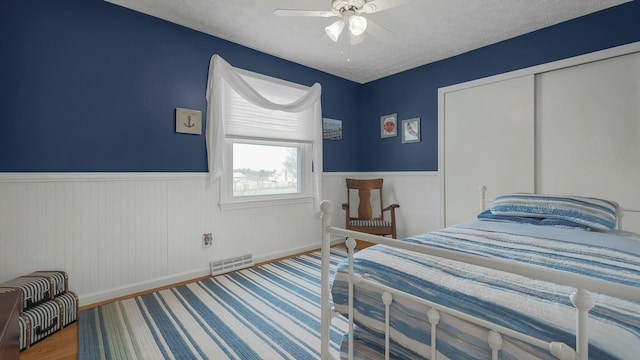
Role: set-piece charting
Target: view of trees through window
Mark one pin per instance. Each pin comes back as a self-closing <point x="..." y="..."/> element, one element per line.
<point x="260" y="169"/>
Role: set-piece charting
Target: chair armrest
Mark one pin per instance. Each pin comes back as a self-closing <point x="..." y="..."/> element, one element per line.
<point x="390" y="207"/>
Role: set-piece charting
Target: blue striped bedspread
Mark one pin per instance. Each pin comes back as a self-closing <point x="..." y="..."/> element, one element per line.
<point x="534" y="307"/>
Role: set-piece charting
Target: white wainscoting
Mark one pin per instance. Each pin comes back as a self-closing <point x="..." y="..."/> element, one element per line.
<point x="121" y="233"/>
<point x="113" y="233"/>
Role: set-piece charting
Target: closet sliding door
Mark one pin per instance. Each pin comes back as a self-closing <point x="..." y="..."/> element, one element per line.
<point x="567" y="127"/>
<point x="487" y="139"/>
<point x="588" y="130"/>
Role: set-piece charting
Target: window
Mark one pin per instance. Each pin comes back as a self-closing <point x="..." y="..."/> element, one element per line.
<point x="260" y="169"/>
<point x="264" y="138"/>
<point x="264" y="170"/>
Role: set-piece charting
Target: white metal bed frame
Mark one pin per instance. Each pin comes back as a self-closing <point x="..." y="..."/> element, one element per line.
<point x="581" y="298"/>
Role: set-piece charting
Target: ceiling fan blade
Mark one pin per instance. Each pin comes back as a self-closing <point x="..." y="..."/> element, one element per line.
<point x="379" y="5"/>
<point x="293" y="12"/>
<point x="379" y="32"/>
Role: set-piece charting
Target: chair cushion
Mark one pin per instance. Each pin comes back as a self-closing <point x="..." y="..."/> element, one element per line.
<point x="369" y="223"/>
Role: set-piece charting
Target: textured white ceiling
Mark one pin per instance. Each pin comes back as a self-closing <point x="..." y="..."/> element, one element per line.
<point x="425" y="30"/>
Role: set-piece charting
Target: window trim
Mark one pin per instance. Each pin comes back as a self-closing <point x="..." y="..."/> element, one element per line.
<point x="305" y="195"/>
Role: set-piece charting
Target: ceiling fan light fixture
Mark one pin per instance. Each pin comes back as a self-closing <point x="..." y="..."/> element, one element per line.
<point x="334" y="30"/>
<point x="357" y="25"/>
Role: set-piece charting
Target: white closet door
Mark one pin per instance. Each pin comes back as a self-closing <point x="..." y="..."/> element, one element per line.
<point x="488" y="134"/>
<point x="588" y="126"/>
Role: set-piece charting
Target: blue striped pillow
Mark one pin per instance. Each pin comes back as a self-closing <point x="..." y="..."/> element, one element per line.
<point x="487" y="215"/>
<point x="591" y="212"/>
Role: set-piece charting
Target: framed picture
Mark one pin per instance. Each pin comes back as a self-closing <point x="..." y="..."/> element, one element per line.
<point x="188" y="121"/>
<point x="411" y="130"/>
<point x="388" y="126"/>
<point x="331" y="129"/>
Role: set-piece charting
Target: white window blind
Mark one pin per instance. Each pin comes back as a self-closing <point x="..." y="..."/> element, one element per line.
<point x="246" y="119"/>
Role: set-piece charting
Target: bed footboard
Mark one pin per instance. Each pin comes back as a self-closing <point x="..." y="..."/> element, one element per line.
<point x="581" y="298"/>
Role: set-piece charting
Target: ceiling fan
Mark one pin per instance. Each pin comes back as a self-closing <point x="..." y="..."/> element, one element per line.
<point x="351" y="16"/>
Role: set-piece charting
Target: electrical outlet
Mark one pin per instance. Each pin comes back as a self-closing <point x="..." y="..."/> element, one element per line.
<point x="207" y="240"/>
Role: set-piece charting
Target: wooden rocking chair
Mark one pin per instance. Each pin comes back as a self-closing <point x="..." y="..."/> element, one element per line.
<point x="367" y="220"/>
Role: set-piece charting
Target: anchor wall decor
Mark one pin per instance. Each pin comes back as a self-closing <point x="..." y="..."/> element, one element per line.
<point x="188" y="121"/>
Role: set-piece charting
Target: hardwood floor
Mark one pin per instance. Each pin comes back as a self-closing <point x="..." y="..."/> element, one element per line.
<point x="63" y="345"/>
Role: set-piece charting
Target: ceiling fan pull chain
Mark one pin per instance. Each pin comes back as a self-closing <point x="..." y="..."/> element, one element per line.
<point x="345" y="50"/>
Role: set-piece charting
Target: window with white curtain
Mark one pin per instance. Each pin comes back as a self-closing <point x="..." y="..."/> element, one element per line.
<point x="268" y="154"/>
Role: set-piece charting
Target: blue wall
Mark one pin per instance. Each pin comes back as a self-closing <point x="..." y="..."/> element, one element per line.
<point x="414" y="93"/>
<point x="89" y="86"/>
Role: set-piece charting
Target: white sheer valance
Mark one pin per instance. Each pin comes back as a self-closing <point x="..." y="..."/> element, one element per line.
<point x="228" y="86"/>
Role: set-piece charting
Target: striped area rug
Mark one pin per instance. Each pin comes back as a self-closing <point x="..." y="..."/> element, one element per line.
<point x="265" y="312"/>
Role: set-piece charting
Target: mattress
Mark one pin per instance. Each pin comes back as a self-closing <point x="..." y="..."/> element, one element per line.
<point x="534" y="307"/>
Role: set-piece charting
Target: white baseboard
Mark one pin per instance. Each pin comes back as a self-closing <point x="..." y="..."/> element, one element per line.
<point x="186" y="276"/>
<point x="141" y="286"/>
<point x="292" y="252"/>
